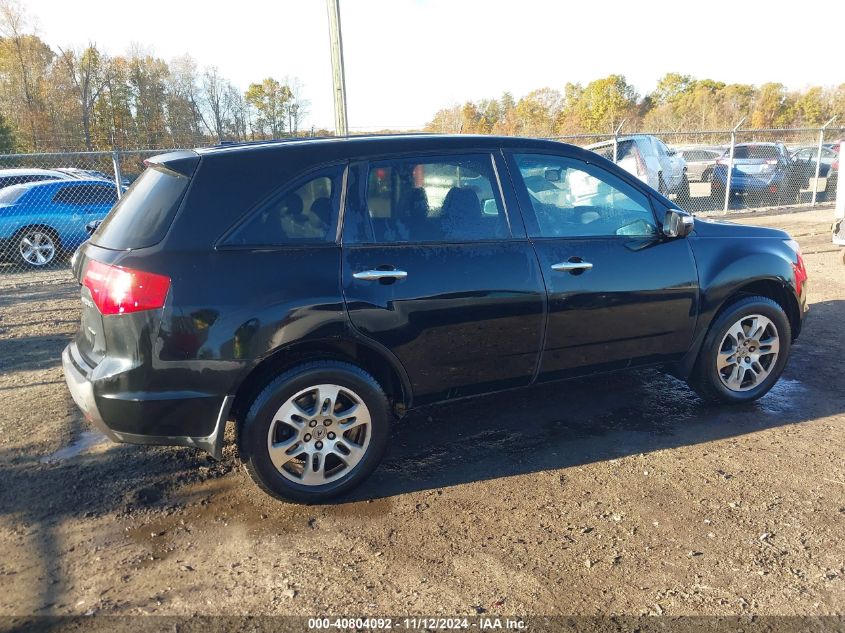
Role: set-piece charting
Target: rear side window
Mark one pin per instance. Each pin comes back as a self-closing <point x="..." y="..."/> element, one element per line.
<point x="448" y="199"/>
<point x="86" y="195"/>
<point x="305" y="213"/>
<point x="145" y="212"/>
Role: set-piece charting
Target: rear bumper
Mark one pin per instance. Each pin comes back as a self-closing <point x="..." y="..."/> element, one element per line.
<point x="146" y="418"/>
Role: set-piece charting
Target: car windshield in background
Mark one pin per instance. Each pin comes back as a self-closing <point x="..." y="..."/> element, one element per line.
<point x="145" y="212"/>
<point x="760" y="152"/>
<point x="10" y="195"/>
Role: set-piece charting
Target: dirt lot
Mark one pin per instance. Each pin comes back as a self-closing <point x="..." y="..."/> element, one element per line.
<point x="621" y="494"/>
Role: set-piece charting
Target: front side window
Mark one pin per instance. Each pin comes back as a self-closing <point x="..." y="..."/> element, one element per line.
<point x="307" y="213"/>
<point x="444" y="199"/>
<point x="572" y="198"/>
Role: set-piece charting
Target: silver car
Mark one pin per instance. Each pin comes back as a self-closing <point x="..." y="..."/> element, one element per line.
<point x="700" y="162"/>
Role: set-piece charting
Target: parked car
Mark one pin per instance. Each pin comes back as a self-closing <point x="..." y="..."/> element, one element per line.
<point x="40" y="220"/>
<point x="19" y="176"/>
<point x="648" y="158"/>
<point x="311" y="292"/>
<point x="700" y="162"/>
<point x="764" y="172"/>
<point x="804" y="166"/>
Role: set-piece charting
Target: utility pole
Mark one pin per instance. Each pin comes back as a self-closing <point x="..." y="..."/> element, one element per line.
<point x="341" y="124"/>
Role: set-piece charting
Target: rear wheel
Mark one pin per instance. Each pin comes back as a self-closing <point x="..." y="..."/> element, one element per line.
<point x="744" y="352"/>
<point x="315" y="432"/>
<point x="37" y="246"/>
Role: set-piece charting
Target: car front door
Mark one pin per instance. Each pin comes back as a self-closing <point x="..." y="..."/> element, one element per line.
<point x="620" y="293"/>
<point x="437" y="269"/>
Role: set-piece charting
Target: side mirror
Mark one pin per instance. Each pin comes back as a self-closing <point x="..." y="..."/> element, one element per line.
<point x="677" y="223"/>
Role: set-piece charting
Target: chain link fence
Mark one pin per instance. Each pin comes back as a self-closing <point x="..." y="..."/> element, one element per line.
<point x="49" y="203"/>
<point x="726" y="170"/>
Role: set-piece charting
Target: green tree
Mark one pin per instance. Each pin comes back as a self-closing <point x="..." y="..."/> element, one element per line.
<point x="269" y="100"/>
<point x="604" y="103"/>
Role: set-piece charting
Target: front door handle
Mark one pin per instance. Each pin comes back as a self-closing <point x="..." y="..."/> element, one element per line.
<point x="376" y="275"/>
<point x="571" y="266"/>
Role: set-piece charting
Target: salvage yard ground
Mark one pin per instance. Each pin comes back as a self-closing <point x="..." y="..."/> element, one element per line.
<point x="621" y="494"/>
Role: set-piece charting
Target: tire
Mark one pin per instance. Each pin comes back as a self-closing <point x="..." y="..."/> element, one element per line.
<point x="272" y="419"/>
<point x="36" y="246"/>
<point x="711" y="383"/>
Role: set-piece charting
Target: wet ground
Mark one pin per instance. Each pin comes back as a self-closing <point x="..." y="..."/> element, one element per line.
<point x="620" y="494"/>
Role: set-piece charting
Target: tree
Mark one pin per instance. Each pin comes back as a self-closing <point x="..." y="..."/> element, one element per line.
<point x="24" y="64"/>
<point x="269" y="99"/>
<point x="216" y="98"/>
<point x="7" y="137"/>
<point x="604" y="103"/>
<point x="85" y="72"/>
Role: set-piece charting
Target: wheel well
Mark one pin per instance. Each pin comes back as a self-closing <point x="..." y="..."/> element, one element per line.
<point x="44" y="227"/>
<point x="777" y="292"/>
<point x="368" y="359"/>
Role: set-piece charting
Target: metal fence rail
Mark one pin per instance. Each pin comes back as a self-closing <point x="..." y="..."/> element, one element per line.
<point x="50" y="201"/>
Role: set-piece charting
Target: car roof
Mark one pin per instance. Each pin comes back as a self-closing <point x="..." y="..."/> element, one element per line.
<point x="31" y="171"/>
<point x="364" y="144"/>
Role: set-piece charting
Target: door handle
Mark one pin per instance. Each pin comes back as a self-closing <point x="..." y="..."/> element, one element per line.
<point x="571" y="266"/>
<point x="376" y="275"/>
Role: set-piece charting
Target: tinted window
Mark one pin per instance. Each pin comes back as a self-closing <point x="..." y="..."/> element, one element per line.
<point x="145" y="211"/>
<point x="572" y="198"/>
<point x="86" y="195"/>
<point x="761" y="152"/>
<point x="444" y="199"/>
<point x="306" y="213"/>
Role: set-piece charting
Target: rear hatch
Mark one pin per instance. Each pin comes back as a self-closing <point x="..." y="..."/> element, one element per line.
<point x="112" y="293"/>
<point x="755" y="160"/>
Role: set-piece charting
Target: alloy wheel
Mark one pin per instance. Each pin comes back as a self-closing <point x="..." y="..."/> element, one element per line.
<point x="37" y="248"/>
<point x="748" y="352"/>
<point x="319" y="434"/>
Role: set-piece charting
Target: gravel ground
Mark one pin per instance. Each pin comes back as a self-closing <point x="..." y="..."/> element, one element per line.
<point x="620" y="494"/>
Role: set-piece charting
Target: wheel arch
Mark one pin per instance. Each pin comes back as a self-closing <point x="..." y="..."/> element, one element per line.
<point x="379" y="363"/>
<point x="773" y="288"/>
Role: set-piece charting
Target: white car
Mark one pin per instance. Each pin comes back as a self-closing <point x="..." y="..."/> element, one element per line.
<point x="648" y="158"/>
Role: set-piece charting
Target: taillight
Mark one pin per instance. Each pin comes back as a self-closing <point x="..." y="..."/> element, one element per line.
<point x="119" y="290"/>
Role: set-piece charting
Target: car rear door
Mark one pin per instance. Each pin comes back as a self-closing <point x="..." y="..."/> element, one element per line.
<point x="437" y="269"/>
<point x="619" y="292"/>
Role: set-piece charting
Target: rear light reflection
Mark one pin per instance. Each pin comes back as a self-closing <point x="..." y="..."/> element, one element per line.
<point x="119" y="290"/>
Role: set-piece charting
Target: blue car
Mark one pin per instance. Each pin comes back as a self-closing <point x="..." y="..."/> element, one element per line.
<point x="40" y="220"/>
<point x="764" y="172"/>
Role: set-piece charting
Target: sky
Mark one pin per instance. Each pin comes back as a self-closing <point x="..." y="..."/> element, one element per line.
<point x="405" y="59"/>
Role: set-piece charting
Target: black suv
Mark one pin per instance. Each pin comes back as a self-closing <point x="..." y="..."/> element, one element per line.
<point x="313" y="290"/>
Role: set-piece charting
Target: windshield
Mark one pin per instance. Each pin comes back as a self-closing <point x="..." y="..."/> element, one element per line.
<point x="760" y="152"/>
<point x="10" y="195"/>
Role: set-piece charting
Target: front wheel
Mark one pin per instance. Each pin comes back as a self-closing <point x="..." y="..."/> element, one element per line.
<point x="744" y="352"/>
<point x="315" y="432"/>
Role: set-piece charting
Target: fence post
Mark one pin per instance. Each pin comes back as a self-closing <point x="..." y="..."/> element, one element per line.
<point x="731" y="165"/>
<point x="616" y="141"/>
<point x="819" y="162"/>
<point x="118" y="178"/>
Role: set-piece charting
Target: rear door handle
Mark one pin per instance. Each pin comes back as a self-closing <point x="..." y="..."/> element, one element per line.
<point x="375" y="275"/>
<point x="570" y="266"/>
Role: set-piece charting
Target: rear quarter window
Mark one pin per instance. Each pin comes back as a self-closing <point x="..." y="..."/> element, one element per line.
<point x="145" y="212"/>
